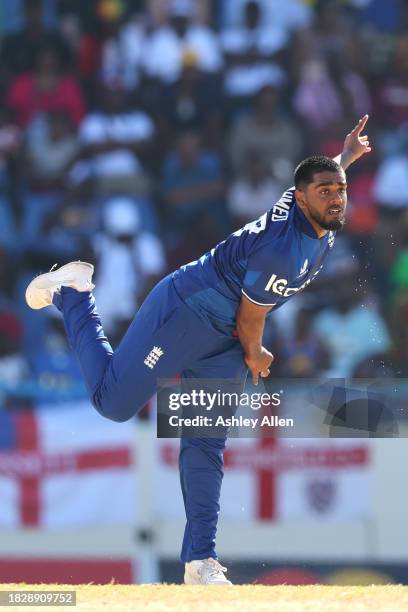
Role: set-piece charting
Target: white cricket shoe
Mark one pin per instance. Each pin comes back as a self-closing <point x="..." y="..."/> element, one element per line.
<point x="76" y="274"/>
<point x="205" y="571"/>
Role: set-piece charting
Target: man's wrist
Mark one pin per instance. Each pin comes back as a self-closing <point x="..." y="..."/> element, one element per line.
<point x="347" y="157"/>
<point x="253" y="352"/>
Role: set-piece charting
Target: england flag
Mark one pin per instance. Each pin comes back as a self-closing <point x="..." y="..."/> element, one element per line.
<point x="65" y="466"/>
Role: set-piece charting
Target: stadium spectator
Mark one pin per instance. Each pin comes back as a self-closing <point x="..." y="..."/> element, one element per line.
<point x="253" y="53"/>
<point x="18" y="50"/>
<point x="124" y="245"/>
<point x="391" y="185"/>
<point x="286" y="16"/>
<point x="193" y="189"/>
<point x="251" y="194"/>
<point x="267" y="132"/>
<point x="328" y="92"/>
<point x="51" y="145"/>
<point x="114" y="142"/>
<point x="352" y="327"/>
<point x="121" y="45"/>
<point x="164" y="49"/>
<point x="194" y="101"/>
<point x="47" y="87"/>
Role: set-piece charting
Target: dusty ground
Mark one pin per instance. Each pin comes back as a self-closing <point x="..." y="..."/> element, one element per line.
<point x="251" y="598"/>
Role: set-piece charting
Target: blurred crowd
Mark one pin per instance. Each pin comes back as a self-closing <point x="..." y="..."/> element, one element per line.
<point x="138" y="134"/>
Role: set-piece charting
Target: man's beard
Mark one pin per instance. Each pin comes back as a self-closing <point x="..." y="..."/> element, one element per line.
<point x="334" y="225"/>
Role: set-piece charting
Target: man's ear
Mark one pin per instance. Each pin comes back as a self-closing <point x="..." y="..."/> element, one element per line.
<point x="300" y="198"/>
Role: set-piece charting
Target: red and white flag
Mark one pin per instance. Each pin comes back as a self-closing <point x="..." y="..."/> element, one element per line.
<point x="65" y="466"/>
<point x="281" y="479"/>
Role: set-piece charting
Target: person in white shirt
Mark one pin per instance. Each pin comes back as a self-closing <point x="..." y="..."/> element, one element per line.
<point x="129" y="260"/>
<point x="391" y="183"/>
<point x="251" y="195"/>
<point x="113" y="143"/>
<point x="252" y="52"/>
<point x="165" y="48"/>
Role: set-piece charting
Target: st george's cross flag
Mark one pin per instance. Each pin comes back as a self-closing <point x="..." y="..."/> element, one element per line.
<point x="272" y="479"/>
<point x="65" y="466"/>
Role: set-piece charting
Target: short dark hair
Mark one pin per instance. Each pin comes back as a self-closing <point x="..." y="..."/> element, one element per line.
<point x="305" y="171"/>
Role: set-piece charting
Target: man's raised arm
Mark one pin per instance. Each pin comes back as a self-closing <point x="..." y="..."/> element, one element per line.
<point x="355" y="145"/>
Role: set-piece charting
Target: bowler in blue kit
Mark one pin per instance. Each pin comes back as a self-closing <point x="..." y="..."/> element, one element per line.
<point x="206" y="320"/>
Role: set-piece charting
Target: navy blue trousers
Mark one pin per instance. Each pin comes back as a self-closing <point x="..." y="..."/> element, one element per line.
<point x="120" y="383"/>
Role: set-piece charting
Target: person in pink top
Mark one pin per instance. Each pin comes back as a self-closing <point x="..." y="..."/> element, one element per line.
<point x="46" y="88"/>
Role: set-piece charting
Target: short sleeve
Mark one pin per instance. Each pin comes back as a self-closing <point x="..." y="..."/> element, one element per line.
<point x="267" y="274"/>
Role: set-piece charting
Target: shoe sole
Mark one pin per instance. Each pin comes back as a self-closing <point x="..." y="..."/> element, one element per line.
<point x="50" y="279"/>
<point x="191" y="582"/>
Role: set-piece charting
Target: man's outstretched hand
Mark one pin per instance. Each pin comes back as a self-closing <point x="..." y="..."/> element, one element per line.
<point x="355" y="144"/>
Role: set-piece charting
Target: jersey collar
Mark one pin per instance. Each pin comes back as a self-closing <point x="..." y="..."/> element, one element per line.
<point x="304" y="224"/>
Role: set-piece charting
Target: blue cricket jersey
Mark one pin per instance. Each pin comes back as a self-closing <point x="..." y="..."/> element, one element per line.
<point x="268" y="260"/>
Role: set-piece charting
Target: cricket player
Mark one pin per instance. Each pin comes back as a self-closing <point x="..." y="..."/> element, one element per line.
<point x="206" y="320"/>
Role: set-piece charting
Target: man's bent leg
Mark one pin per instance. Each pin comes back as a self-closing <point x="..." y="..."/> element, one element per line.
<point x="120" y="382"/>
<point x="202" y="465"/>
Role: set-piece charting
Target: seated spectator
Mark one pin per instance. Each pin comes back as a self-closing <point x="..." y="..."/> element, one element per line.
<point x="47" y="87"/>
<point x="254" y="193"/>
<point x="114" y="141"/>
<point x="329" y="91"/>
<point x="352" y="327"/>
<point x="19" y="49"/>
<point x="285" y="16"/>
<point x="193" y="102"/>
<point x="121" y="49"/>
<point x="330" y="33"/>
<point x="391" y="185"/>
<point x="129" y="261"/>
<point x="164" y="49"/>
<point x="51" y="145"/>
<point x="268" y="133"/>
<point x="252" y="53"/>
<point x="193" y="188"/>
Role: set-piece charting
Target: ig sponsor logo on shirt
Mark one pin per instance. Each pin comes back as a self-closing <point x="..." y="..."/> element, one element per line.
<point x="280" y="285"/>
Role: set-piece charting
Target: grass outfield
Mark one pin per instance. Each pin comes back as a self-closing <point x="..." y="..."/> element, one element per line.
<point x="251" y="598"/>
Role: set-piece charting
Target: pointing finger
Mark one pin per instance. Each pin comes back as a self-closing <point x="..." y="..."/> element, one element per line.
<point x="361" y="124"/>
